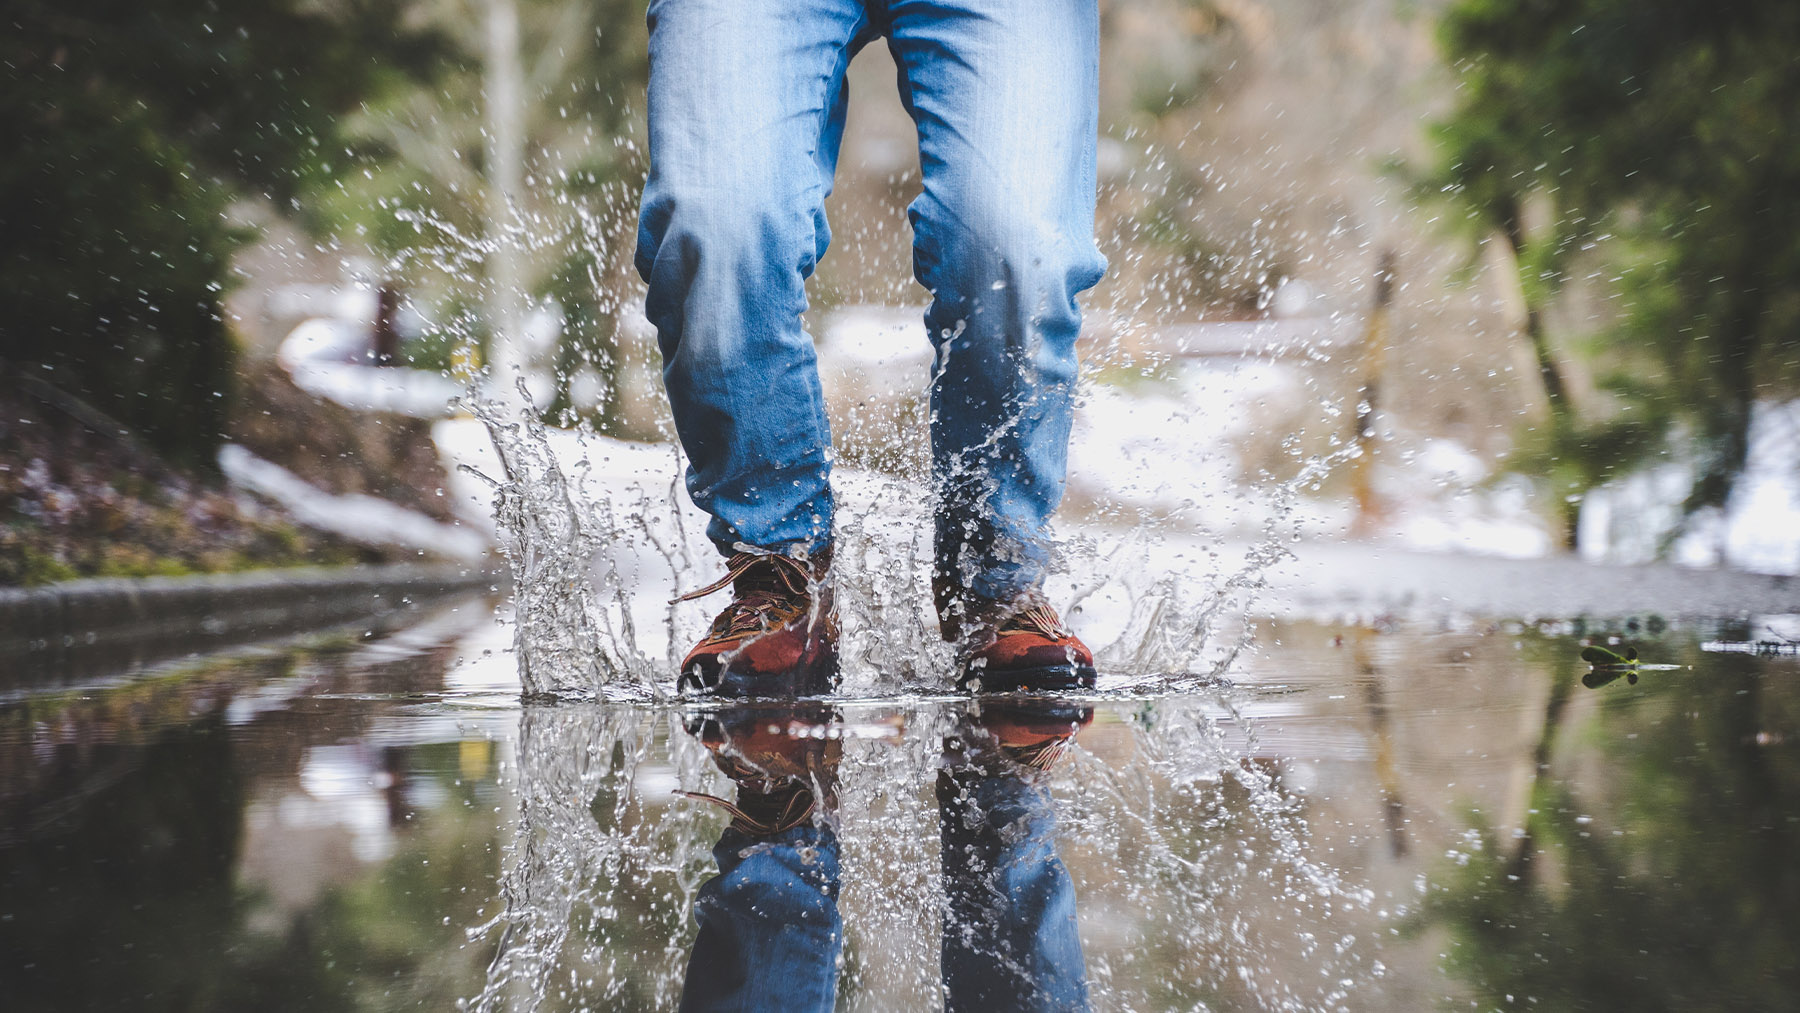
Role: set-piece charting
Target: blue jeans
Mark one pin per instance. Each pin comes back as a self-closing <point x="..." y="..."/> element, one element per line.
<point x="746" y="109"/>
<point x="770" y="933"/>
<point x="1010" y="938"/>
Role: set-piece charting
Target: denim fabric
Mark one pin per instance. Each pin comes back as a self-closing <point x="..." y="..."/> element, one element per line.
<point x="769" y="925"/>
<point x="770" y="933"/>
<point x="1010" y="938"/>
<point x="746" y="109"/>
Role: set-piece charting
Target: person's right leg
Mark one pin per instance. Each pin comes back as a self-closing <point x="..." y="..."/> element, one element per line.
<point x="746" y="109"/>
<point x="746" y="106"/>
<point x="1010" y="938"/>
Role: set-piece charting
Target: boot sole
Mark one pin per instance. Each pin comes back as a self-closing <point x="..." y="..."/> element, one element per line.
<point x="817" y="679"/>
<point x="1043" y="679"/>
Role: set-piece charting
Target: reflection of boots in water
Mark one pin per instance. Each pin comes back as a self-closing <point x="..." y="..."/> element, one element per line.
<point x="770" y="932"/>
<point x="782" y="759"/>
<point x="1010" y="940"/>
<point x="1022" y="733"/>
<point x="778" y="637"/>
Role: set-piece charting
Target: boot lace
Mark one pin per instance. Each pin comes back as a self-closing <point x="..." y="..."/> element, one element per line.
<point x="773" y="591"/>
<point x="765" y="806"/>
<point x="1037" y="620"/>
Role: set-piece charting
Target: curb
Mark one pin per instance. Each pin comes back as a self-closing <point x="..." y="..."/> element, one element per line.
<point x="45" y="628"/>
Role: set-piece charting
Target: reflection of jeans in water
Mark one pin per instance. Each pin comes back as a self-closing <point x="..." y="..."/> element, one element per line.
<point x="769" y="926"/>
<point x="746" y="109"/>
<point x="1010" y="939"/>
<point x="770" y="931"/>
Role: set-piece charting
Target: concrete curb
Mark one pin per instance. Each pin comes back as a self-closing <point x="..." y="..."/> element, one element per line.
<point x="45" y="627"/>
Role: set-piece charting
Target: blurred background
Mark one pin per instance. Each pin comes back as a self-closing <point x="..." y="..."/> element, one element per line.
<point x="1525" y="274"/>
<point x="1432" y="279"/>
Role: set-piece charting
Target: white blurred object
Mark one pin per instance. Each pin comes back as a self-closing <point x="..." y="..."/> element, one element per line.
<point x="309" y="300"/>
<point x="869" y="337"/>
<point x="329" y="358"/>
<point x="1629" y="519"/>
<point x="1293" y="298"/>
<point x="363" y="519"/>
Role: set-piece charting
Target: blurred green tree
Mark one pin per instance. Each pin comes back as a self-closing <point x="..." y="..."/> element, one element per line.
<point x="1654" y="869"/>
<point x="423" y="199"/>
<point x="1649" y="140"/>
<point x="132" y="129"/>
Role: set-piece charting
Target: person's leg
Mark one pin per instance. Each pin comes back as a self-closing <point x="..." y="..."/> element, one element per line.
<point x="770" y="932"/>
<point x="746" y="106"/>
<point x="1010" y="938"/>
<point x="1005" y="97"/>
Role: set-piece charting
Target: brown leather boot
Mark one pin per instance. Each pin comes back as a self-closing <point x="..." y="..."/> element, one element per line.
<point x="1011" y="646"/>
<point x="778" y="637"/>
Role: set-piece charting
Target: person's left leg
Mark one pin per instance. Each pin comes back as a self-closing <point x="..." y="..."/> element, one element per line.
<point x="1010" y="938"/>
<point x="1005" y="98"/>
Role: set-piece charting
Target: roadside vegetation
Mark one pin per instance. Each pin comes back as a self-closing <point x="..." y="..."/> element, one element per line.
<point x="76" y="501"/>
<point x="1637" y="154"/>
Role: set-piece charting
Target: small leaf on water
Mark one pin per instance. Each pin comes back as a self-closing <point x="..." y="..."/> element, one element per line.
<point x="1600" y="677"/>
<point x="1594" y="654"/>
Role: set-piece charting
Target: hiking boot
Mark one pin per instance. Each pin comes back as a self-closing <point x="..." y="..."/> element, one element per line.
<point x="783" y="762"/>
<point x="1010" y="646"/>
<point x="1027" y="735"/>
<point x="778" y="637"/>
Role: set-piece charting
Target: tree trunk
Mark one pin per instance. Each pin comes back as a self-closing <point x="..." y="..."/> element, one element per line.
<point x="505" y="172"/>
<point x="1556" y="391"/>
<point x="1374" y="352"/>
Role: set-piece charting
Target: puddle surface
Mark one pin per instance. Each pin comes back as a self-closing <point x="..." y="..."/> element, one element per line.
<point x="1398" y="819"/>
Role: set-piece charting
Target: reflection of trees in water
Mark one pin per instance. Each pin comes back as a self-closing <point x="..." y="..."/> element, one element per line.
<point x="124" y="846"/>
<point x="112" y="902"/>
<point x="392" y="937"/>
<point x="1661" y="879"/>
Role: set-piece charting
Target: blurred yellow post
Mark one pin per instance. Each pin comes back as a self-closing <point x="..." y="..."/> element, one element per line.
<point x="1372" y="356"/>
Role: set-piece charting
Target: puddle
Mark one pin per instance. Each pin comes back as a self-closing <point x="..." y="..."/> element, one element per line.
<point x="1353" y="819"/>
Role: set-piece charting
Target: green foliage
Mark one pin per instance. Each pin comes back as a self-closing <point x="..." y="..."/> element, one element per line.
<point x="31" y="567"/>
<point x="1654" y="870"/>
<point x="1654" y="136"/>
<point x="419" y="196"/>
<point x="1594" y="654"/>
<point x="131" y="129"/>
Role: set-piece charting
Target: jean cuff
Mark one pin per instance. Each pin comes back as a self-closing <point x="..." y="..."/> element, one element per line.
<point x="799" y="548"/>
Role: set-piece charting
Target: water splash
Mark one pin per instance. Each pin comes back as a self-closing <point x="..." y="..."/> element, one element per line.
<point x="1180" y="826"/>
<point x="1174" y="826"/>
<point x="601" y="871"/>
<point x="574" y="633"/>
<point x="597" y="554"/>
